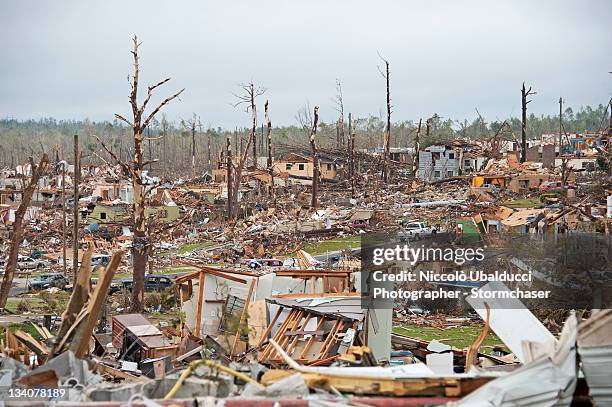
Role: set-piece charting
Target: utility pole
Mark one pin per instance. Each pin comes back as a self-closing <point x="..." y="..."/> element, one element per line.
<point x="75" y="210"/>
<point x="524" y="102"/>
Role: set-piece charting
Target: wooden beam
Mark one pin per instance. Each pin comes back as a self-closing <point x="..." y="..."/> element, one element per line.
<point x="198" y="319"/>
<point x="243" y="315"/>
<point x="264" y="336"/>
<point x="80" y="344"/>
<point x="102" y="368"/>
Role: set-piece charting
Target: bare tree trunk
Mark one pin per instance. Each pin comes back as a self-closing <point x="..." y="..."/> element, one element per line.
<point x="270" y="162"/>
<point x="75" y="209"/>
<point x="417" y="148"/>
<point x="315" y="161"/>
<point x="230" y="195"/>
<point x="340" y="108"/>
<point x="387" y="135"/>
<point x="249" y="97"/>
<point x="560" y="127"/>
<point x="352" y="157"/>
<point x="254" y="135"/>
<point x="7" y="280"/>
<point x="209" y="153"/>
<point x="193" y="148"/>
<point x="524" y="94"/>
<point x="64" y="267"/>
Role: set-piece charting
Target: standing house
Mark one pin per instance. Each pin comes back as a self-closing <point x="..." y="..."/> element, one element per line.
<point x="301" y="166"/>
<point x="438" y="162"/>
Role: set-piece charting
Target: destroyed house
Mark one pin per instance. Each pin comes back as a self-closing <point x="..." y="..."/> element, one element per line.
<point x="103" y="213"/>
<point x="402" y="155"/>
<point x="301" y="166"/>
<point x="316" y="329"/>
<point x="438" y="162"/>
<point x="110" y="191"/>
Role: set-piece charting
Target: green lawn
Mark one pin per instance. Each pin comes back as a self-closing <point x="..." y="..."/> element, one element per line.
<point x="178" y="270"/>
<point x="194" y="246"/>
<point x="332" y="245"/>
<point x="11" y="303"/>
<point x="524" y="203"/>
<point x="458" y="336"/>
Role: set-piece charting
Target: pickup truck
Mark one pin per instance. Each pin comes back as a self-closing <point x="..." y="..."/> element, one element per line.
<point x="26" y="262"/>
<point x="45" y="281"/>
<point x="151" y="283"/>
<point x="417" y="230"/>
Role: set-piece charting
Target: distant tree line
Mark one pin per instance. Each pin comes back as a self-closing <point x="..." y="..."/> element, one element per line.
<point x="21" y="139"/>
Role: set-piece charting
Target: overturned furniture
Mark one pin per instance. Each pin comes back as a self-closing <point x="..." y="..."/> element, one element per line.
<point x="137" y="339"/>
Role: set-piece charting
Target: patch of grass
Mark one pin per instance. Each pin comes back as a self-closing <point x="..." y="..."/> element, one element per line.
<point x="178" y="270"/>
<point x="332" y="245"/>
<point x="194" y="246"/>
<point x="25" y="326"/>
<point x="457" y="336"/>
<point x="32" y="303"/>
<point x="524" y="203"/>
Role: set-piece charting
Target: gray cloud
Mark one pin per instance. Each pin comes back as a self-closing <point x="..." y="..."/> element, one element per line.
<point x="70" y="59"/>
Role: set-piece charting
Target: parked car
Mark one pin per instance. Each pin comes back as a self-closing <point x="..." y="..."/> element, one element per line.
<point x="261" y="263"/>
<point x="45" y="281"/>
<point x="417" y="230"/>
<point x="151" y="283"/>
<point x="37" y="254"/>
<point x="98" y="260"/>
<point x="551" y="185"/>
<point x="28" y="263"/>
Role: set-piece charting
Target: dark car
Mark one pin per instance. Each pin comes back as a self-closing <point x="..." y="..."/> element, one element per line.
<point x="151" y="283"/>
<point x="45" y="281"/>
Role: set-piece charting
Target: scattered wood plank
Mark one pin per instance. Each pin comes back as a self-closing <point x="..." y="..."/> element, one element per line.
<point x="80" y="344"/>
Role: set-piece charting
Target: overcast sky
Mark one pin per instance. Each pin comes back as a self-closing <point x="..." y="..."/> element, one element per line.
<point x="70" y="59"/>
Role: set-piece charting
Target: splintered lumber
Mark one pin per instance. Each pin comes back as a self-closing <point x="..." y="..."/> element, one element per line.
<point x="198" y="318"/>
<point x="243" y="316"/>
<point x="264" y="336"/>
<point x="80" y="344"/>
<point x="473" y="350"/>
<point x="78" y="299"/>
<point x="42" y="331"/>
<point x="119" y="374"/>
<point x="35" y="346"/>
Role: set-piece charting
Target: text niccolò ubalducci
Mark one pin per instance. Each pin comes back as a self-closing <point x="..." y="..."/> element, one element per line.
<point x="452" y="276"/>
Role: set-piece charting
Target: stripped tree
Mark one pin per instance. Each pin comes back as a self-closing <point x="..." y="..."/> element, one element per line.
<point x="248" y="97"/>
<point x="352" y="156"/>
<point x="525" y="93"/>
<point x="140" y="121"/>
<point x="315" y="161"/>
<point x="387" y="134"/>
<point x="230" y="167"/>
<point x="36" y="172"/>
<point x="340" y="109"/>
<point x="270" y="162"/>
<point x="417" y="149"/>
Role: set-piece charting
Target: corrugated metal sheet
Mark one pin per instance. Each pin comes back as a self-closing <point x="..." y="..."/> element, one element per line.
<point x="342" y="306"/>
<point x="597" y="368"/>
<point x="595" y="350"/>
